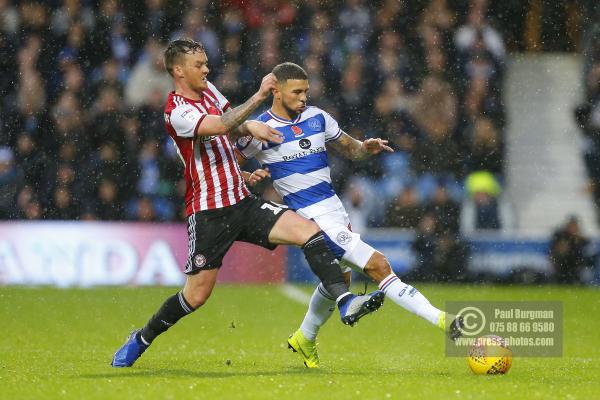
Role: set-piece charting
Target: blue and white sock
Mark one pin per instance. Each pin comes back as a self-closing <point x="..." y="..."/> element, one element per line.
<point x="409" y="298"/>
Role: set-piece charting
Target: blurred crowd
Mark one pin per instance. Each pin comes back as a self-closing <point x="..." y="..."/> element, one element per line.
<point x="82" y="131"/>
<point x="587" y="114"/>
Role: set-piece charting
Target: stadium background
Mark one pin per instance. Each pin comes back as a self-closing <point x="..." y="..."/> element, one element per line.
<point x="82" y="133"/>
<point x="90" y="193"/>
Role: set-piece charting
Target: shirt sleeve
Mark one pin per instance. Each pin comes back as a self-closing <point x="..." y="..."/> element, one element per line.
<point x="223" y="102"/>
<point x="248" y="146"/>
<point x="332" y="129"/>
<point x="185" y="119"/>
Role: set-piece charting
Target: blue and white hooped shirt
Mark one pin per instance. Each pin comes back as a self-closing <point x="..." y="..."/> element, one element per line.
<point x="299" y="166"/>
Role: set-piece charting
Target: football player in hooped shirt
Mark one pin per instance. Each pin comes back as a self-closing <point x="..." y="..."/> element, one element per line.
<point x="300" y="174"/>
<point x="220" y="208"/>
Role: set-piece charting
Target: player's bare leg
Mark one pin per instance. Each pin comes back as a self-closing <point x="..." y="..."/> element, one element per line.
<point x="198" y="287"/>
<point x="293" y="229"/>
<point x="379" y="269"/>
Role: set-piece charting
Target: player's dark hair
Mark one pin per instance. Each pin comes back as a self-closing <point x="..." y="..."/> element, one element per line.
<point x="288" y="70"/>
<point x="177" y="49"/>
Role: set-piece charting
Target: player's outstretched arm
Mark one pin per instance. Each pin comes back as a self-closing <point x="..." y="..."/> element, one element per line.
<point x="357" y="150"/>
<point x="222" y="124"/>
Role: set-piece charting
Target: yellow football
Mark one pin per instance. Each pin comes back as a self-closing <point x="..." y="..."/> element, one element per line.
<point x="490" y="355"/>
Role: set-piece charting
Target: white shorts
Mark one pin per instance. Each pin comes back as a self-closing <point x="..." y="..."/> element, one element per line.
<point x="345" y="243"/>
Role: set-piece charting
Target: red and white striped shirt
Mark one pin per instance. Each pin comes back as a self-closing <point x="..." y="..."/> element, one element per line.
<point x="212" y="175"/>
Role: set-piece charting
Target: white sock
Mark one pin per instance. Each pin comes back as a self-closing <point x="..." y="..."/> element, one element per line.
<point x="320" y="308"/>
<point x="409" y="298"/>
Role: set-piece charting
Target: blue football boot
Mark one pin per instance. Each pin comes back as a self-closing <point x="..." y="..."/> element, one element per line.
<point x="129" y="352"/>
<point x="359" y="306"/>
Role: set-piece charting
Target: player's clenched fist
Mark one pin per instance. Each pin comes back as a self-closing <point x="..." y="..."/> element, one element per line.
<point x="268" y="83"/>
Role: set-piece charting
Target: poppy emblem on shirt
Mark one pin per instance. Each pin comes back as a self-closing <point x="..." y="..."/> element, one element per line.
<point x="297" y="130"/>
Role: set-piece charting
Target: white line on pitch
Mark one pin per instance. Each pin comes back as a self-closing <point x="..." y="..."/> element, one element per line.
<point x="292" y="292"/>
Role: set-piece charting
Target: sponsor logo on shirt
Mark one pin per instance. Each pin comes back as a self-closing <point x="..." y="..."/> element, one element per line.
<point x="305" y="153"/>
<point x="304" y="143"/>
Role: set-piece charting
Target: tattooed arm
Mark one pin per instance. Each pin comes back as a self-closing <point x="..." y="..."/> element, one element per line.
<point x="222" y="124"/>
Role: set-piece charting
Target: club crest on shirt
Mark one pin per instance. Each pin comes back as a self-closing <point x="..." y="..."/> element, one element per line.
<point x="343" y="238"/>
<point x="199" y="260"/>
<point x="297" y="130"/>
<point x="314" y="124"/>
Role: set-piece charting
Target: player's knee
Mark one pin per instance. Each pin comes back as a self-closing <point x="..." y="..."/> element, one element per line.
<point x="378" y="267"/>
<point x="307" y="230"/>
<point x="293" y="229"/>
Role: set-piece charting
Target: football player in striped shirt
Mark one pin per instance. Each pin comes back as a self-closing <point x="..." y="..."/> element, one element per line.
<point x="300" y="173"/>
<point x="220" y="208"/>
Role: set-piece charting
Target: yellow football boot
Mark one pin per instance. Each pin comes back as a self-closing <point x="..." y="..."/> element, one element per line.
<point x="306" y="348"/>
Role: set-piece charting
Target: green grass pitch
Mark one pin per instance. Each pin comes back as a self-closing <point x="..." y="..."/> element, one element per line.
<point x="57" y="344"/>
